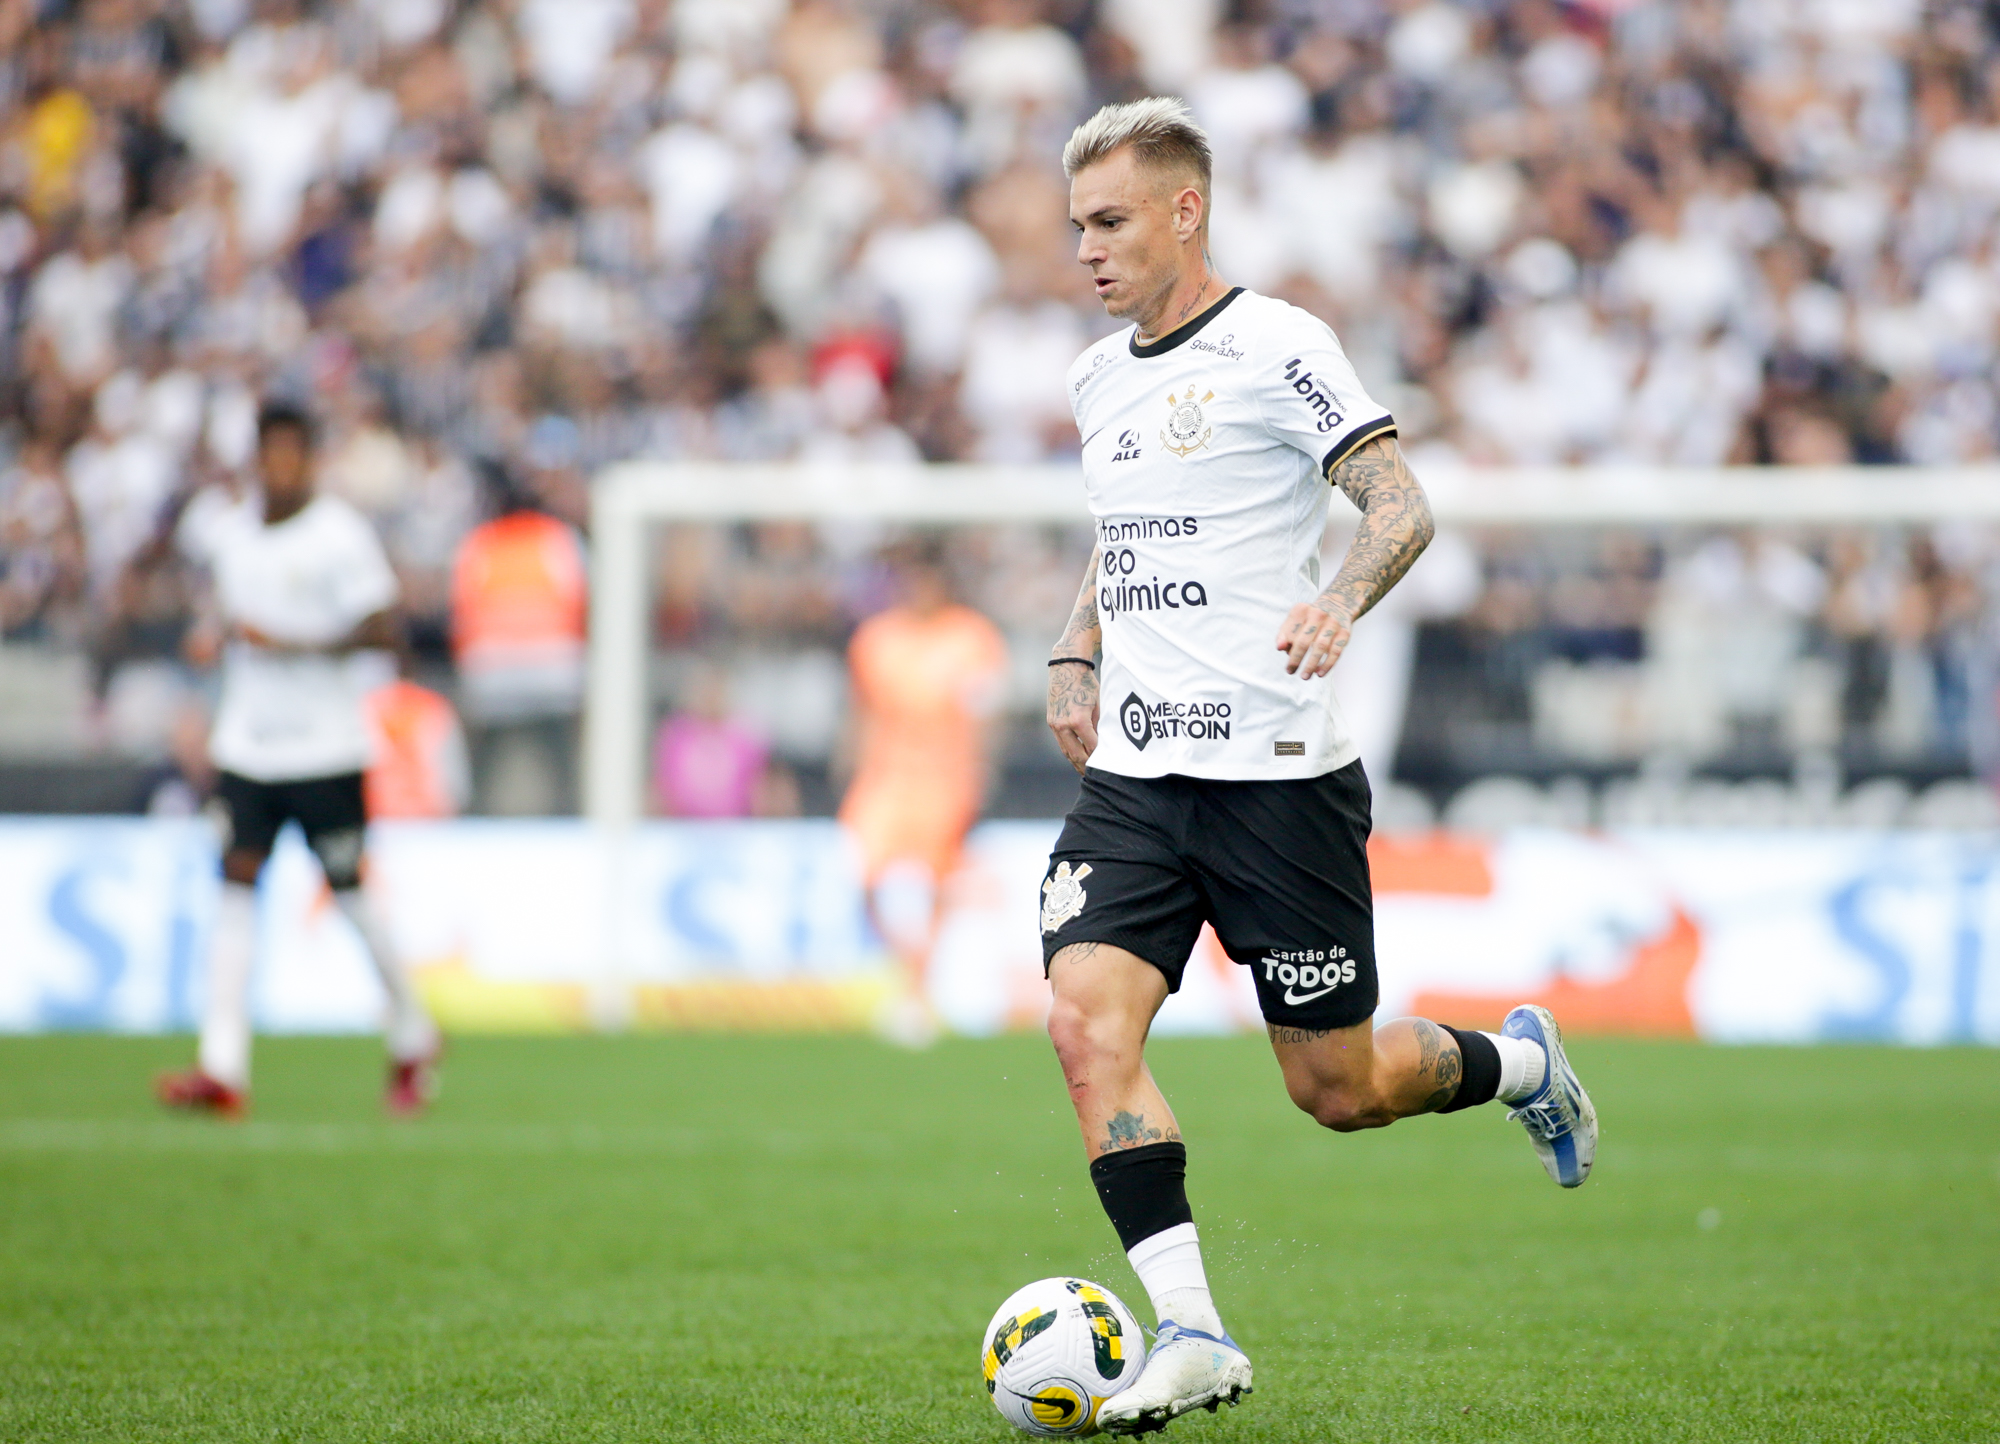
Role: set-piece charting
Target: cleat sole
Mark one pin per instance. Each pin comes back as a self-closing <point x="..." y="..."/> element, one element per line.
<point x="1155" y="1420"/>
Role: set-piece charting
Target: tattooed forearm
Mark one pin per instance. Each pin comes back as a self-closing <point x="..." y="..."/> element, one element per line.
<point x="1438" y="1063"/>
<point x="1295" y="1035"/>
<point x="1072" y="712"/>
<point x="1395" y="526"/>
<point x="1082" y="637"/>
<point x="1072" y="692"/>
<point x="1131" y="1130"/>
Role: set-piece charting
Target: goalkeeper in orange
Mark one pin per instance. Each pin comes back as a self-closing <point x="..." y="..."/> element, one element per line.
<point x="928" y="676"/>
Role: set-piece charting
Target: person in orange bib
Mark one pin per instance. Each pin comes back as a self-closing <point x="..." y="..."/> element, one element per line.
<point x="417" y="766"/>
<point x="520" y="592"/>
<point x="928" y="675"/>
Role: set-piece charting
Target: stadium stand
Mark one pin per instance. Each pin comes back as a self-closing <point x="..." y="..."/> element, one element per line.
<point x="533" y="237"/>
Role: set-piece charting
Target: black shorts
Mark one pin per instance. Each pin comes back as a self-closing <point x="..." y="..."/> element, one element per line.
<point x="328" y="810"/>
<point x="1280" y="869"/>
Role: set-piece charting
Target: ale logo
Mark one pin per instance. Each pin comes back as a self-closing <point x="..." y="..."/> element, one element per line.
<point x="1138" y="727"/>
<point x="1056" y="1406"/>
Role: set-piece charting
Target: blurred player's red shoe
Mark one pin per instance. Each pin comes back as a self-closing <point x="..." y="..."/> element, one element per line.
<point x="195" y="1091"/>
<point x="411" y="1085"/>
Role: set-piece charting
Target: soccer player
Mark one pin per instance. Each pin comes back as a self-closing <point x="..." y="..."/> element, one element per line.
<point x="303" y="590"/>
<point x="928" y="675"/>
<point x="1225" y="788"/>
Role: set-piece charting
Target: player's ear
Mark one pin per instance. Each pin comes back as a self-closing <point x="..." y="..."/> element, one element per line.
<point x="1190" y="206"/>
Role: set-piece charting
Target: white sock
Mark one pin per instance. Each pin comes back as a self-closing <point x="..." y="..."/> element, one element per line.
<point x="225" y="1015"/>
<point x="1523" y="1065"/>
<point x="1169" y="1265"/>
<point x="412" y="1036"/>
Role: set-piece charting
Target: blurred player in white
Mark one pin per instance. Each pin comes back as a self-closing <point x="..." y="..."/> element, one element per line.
<point x="1226" y="786"/>
<point x="306" y="604"/>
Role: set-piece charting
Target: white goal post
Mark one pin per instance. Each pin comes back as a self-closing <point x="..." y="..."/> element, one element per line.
<point x="629" y="498"/>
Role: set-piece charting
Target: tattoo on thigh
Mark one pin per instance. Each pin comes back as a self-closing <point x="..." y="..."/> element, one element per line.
<point x="1287" y="1036"/>
<point x="1077" y="953"/>
<point x="1131" y="1130"/>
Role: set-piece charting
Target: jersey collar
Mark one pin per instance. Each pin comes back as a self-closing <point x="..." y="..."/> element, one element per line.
<point x="1185" y="332"/>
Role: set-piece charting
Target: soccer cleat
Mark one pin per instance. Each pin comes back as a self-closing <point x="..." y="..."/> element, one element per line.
<point x="1185" y="1369"/>
<point x="196" y="1092"/>
<point x="1560" y="1120"/>
<point x="412" y="1085"/>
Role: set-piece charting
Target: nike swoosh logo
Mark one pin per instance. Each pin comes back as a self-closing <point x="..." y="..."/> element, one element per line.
<point x="1097" y="433"/>
<point x="1297" y="998"/>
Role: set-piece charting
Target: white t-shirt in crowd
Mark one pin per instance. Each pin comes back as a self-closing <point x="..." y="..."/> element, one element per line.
<point x="311" y="579"/>
<point x="1205" y="456"/>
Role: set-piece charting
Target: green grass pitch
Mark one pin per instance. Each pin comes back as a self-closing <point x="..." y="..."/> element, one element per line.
<point x="800" y="1239"/>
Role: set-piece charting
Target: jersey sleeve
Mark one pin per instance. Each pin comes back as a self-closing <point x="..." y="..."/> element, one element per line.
<point x="1311" y="399"/>
<point x="366" y="584"/>
<point x="1081" y="373"/>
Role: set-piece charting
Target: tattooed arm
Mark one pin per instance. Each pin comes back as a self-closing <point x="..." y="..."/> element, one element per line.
<point x="1073" y="687"/>
<point x="1395" y="528"/>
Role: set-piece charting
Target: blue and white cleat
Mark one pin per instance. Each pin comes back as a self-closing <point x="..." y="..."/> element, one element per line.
<point x="1560" y="1120"/>
<point x="1185" y="1370"/>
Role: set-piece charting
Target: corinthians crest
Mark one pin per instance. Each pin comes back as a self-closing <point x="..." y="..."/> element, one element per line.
<point x="1063" y="896"/>
<point x="1187" y="429"/>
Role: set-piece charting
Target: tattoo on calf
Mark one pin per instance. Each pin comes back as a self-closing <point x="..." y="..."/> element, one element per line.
<point x="1130" y="1130"/>
<point x="1438" y="1061"/>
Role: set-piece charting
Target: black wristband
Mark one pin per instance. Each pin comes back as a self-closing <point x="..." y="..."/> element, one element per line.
<point x="1081" y="661"/>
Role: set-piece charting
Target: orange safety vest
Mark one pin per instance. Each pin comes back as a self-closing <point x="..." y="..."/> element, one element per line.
<point x="520" y="594"/>
<point x="417" y="765"/>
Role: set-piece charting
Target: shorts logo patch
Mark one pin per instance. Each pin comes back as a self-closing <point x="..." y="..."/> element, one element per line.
<point x="1138" y="727"/>
<point x="1288" y="749"/>
<point x="1063" y="896"/>
<point x="1327" y="970"/>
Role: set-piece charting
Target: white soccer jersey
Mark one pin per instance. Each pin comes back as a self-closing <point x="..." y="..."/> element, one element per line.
<point x="1205" y="455"/>
<point x="312" y="579"/>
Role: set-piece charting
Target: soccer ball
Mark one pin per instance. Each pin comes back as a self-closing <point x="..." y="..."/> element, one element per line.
<point x="1056" y="1350"/>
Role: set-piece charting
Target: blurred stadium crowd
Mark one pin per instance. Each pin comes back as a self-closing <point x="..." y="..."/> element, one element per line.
<point x="498" y="245"/>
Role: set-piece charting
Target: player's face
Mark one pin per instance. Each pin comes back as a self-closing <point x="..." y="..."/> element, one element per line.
<point x="284" y="462"/>
<point x="1133" y="226"/>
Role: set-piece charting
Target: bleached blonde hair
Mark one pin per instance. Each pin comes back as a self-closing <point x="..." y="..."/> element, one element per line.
<point x="1161" y="131"/>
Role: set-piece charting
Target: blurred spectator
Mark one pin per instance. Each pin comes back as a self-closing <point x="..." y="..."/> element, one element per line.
<point x="520" y="593"/>
<point x="41" y="547"/>
<point x="706" y="763"/>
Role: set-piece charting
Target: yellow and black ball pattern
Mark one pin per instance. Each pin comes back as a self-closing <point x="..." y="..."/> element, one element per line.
<point x="1056" y="1351"/>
